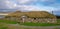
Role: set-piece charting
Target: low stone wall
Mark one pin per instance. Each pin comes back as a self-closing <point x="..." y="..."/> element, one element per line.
<point x="34" y="20"/>
<point x="39" y="20"/>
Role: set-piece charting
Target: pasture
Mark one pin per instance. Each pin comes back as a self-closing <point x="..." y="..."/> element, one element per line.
<point x="7" y="24"/>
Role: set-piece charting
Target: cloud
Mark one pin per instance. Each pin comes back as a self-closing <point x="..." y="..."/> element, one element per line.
<point x="22" y="5"/>
<point x="27" y="1"/>
<point x="13" y="3"/>
<point x="23" y="1"/>
<point x="30" y="5"/>
<point x="34" y="2"/>
<point x="35" y="8"/>
<point x="47" y="0"/>
<point x="10" y="4"/>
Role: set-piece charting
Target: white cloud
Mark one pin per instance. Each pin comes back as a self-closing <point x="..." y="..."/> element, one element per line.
<point x="7" y="2"/>
<point x="26" y="1"/>
<point x="14" y="5"/>
<point x="23" y="1"/>
<point x="10" y="4"/>
<point x="29" y="1"/>
<point x="47" y="0"/>
<point x="35" y="8"/>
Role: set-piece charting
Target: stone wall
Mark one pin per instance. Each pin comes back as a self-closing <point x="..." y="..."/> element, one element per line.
<point x="34" y="20"/>
<point x="39" y="20"/>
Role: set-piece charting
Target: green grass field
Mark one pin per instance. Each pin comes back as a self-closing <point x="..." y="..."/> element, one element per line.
<point x="4" y="24"/>
<point x="31" y="24"/>
<point x="8" y="21"/>
<point x="39" y="24"/>
<point x="58" y="21"/>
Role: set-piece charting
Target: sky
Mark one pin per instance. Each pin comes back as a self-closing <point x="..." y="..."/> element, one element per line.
<point x="30" y="5"/>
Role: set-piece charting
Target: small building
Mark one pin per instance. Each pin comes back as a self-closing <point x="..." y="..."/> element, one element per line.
<point x="34" y="16"/>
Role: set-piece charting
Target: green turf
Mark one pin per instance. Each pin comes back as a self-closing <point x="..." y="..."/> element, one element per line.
<point x="8" y="21"/>
<point x="39" y="24"/>
<point x="3" y="28"/>
<point x="58" y="20"/>
<point x="31" y="24"/>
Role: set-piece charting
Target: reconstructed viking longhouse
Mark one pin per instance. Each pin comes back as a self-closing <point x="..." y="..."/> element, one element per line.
<point x="33" y="16"/>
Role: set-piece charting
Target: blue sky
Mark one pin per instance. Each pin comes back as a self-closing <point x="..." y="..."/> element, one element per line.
<point x="30" y="5"/>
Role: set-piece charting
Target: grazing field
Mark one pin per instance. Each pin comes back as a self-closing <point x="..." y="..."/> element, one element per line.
<point x="30" y="23"/>
<point x="39" y="24"/>
<point x="17" y="26"/>
<point x="8" y="21"/>
<point x="3" y="25"/>
<point x="7" y="24"/>
<point x="58" y="21"/>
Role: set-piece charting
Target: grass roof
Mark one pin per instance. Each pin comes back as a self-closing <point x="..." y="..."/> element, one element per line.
<point x="43" y="14"/>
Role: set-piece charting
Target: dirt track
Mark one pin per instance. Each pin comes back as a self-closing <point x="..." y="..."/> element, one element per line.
<point x="17" y="26"/>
